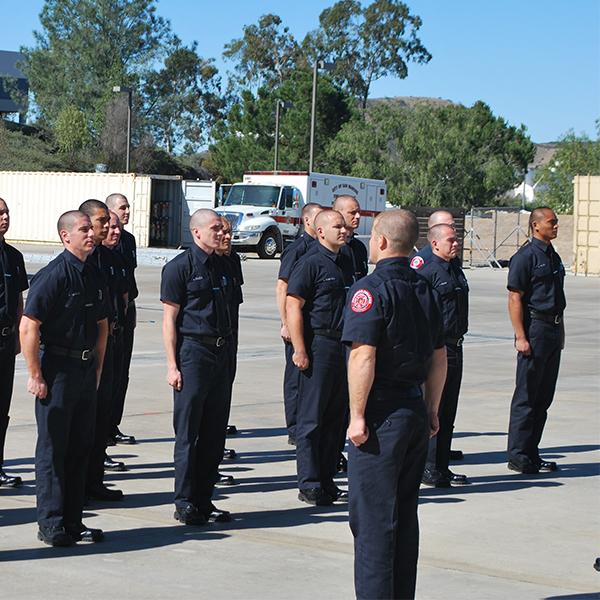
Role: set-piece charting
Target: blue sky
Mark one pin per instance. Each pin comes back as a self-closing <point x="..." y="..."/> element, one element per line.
<point x="535" y="62"/>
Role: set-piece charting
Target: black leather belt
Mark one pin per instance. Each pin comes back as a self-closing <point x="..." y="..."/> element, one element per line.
<point x="540" y="316"/>
<point x="333" y="334"/>
<point x="209" y="340"/>
<point x="6" y="331"/>
<point x="455" y="341"/>
<point x="83" y="355"/>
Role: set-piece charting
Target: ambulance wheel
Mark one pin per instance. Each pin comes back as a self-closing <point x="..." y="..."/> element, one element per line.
<point x="270" y="244"/>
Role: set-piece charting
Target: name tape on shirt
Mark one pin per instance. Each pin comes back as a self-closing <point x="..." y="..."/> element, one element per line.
<point x="417" y="262"/>
<point x="361" y="301"/>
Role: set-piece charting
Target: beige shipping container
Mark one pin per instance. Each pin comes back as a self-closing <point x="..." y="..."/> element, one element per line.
<point x="37" y="199"/>
<point x="586" y="224"/>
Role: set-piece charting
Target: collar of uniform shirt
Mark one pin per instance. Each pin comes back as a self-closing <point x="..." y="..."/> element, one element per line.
<point x="200" y="254"/>
<point x="327" y="252"/>
<point x="540" y="244"/>
<point x="439" y="259"/>
<point x="403" y="261"/>
<point x="73" y="260"/>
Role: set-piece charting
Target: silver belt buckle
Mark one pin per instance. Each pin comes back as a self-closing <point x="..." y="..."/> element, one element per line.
<point x="5" y="331"/>
<point x="459" y="342"/>
<point x="85" y="354"/>
<point x="220" y="342"/>
<point x="557" y="319"/>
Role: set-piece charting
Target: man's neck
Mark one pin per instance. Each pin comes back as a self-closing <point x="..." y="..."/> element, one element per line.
<point x="330" y="247"/>
<point x="541" y="239"/>
<point x="80" y="255"/>
<point x="440" y="256"/>
<point x="204" y="247"/>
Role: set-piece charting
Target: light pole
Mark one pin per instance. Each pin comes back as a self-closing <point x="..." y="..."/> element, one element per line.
<point x="120" y="89"/>
<point x="279" y="104"/>
<point x="325" y="66"/>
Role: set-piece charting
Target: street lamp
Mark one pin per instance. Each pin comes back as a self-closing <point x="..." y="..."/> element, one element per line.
<point x="325" y="66"/>
<point x="279" y="104"/>
<point x="121" y="89"/>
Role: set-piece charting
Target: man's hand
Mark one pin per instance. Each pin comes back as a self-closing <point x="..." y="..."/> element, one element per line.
<point x="434" y="424"/>
<point x="522" y="346"/>
<point x="37" y="386"/>
<point x="358" y="432"/>
<point x="285" y="334"/>
<point x="300" y="359"/>
<point x="174" y="378"/>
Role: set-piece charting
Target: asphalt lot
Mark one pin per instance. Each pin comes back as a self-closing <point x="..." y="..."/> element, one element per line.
<point x="504" y="536"/>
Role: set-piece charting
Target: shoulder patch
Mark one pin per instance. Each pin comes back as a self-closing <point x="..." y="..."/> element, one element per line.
<point x="362" y="301"/>
<point x="417" y="262"/>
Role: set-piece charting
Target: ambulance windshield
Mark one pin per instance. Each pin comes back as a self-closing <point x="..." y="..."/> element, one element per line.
<point x="253" y="195"/>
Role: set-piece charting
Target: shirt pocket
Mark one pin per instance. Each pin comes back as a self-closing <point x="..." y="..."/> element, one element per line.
<point x="199" y="291"/>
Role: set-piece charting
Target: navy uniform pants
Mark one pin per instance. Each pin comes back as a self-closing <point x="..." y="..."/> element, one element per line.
<point x="95" y="475"/>
<point x="7" y="374"/>
<point x="65" y="426"/>
<point x="534" y="391"/>
<point x="322" y="402"/>
<point x="438" y="455"/>
<point x="384" y="475"/>
<point x="201" y="411"/>
<point x="291" y="379"/>
<point x="123" y="359"/>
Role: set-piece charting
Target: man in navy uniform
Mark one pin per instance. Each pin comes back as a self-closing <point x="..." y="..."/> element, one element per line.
<point x="356" y="251"/>
<point x="13" y="281"/>
<point x="197" y="332"/>
<point x="291" y="255"/>
<point x="65" y="310"/>
<point x="314" y="308"/>
<point x="451" y="293"/>
<point x="423" y="256"/>
<point x="103" y="259"/>
<point x="394" y="329"/>
<point x="119" y="204"/>
<point x="536" y="303"/>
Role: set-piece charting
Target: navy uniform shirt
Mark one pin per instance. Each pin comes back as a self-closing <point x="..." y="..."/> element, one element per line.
<point x="107" y="262"/>
<point x="319" y="279"/>
<point x="358" y="256"/>
<point x="537" y="271"/>
<point x="67" y="297"/>
<point x="13" y="280"/>
<point x="127" y="248"/>
<point x="197" y="282"/>
<point x="451" y="292"/>
<point x="293" y="253"/>
<point x="120" y="285"/>
<point x="235" y="283"/>
<point x="393" y="309"/>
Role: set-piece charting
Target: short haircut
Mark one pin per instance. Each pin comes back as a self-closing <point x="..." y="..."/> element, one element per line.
<point x="325" y="217"/>
<point x="440" y="216"/>
<point x="400" y="227"/>
<point x="68" y="220"/>
<point x="308" y="210"/>
<point x="113" y="199"/>
<point x="342" y="199"/>
<point x="537" y="214"/>
<point x="4" y="202"/>
<point x="112" y="213"/>
<point x="201" y="217"/>
<point x="89" y="207"/>
<point x="437" y="232"/>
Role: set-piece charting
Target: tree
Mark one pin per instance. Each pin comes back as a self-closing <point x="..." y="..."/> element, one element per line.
<point x="367" y="43"/>
<point x="71" y="130"/>
<point x="434" y="156"/>
<point x="245" y="141"/>
<point x="182" y="100"/>
<point x="576" y="155"/>
<point x="87" y="46"/>
<point x="266" y="54"/>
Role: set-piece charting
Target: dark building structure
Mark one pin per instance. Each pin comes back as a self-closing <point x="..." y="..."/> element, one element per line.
<point x="12" y="79"/>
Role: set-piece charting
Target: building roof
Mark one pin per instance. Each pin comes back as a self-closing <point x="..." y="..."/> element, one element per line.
<point x="8" y="64"/>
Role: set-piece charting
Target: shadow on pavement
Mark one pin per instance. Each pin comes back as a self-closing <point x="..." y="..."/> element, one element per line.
<point x="590" y="596"/>
<point x="116" y="542"/>
<point x="499" y="456"/>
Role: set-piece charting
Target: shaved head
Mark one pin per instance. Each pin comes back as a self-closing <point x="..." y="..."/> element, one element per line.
<point x="341" y="202"/>
<point x="537" y="214"/>
<point x="309" y="210"/>
<point x="438" y="232"/>
<point x="400" y="227"/>
<point x="326" y="217"/>
<point x="68" y="220"/>
<point x="90" y="207"/>
<point x="438" y="217"/>
<point x="113" y="199"/>
<point x="201" y="217"/>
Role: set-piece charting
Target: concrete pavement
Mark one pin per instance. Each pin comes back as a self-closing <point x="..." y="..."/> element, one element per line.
<point x="504" y="536"/>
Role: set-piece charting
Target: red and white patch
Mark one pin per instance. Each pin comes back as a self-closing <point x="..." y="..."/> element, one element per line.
<point x="417" y="262"/>
<point x="361" y="301"/>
